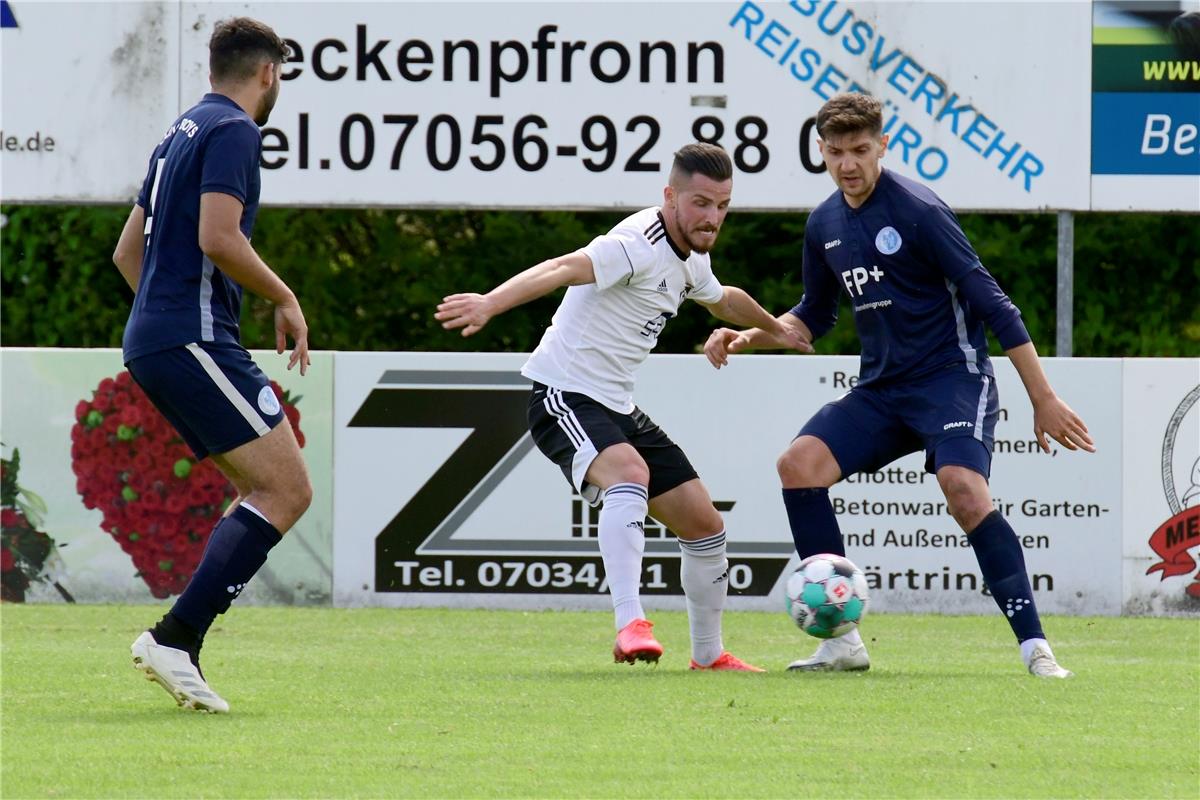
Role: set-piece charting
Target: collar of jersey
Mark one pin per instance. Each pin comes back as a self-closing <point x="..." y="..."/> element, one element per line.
<point x="217" y="97"/>
<point x="678" y="253"/>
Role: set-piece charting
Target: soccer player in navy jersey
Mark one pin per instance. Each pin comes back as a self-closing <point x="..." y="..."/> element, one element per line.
<point x="185" y="251"/>
<point x="921" y="299"/>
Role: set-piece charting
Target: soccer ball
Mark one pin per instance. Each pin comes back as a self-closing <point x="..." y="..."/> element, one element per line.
<point x="826" y="596"/>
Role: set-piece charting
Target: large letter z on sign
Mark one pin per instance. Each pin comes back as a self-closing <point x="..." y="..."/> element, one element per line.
<point x="492" y="405"/>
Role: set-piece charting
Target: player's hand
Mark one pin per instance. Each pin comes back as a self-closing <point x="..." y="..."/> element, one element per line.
<point x="722" y="343"/>
<point x="1055" y="418"/>
<point x="289" y="321"/>
<point x="787" y="336"/>
<point x="467" y="311"/>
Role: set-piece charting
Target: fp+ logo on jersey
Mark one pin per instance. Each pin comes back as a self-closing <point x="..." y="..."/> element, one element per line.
<point x="855" y="279"/>
<point x="888" y="240"/>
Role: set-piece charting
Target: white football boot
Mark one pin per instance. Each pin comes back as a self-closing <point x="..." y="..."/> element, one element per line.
<point x="1043" y="665"/>
<point x="835" y="655"/>
<point x="173" y="670"/>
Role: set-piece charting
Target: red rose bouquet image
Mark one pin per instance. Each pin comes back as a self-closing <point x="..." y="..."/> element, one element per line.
<point x="158" y="502"/>
<point x="27" y="554"/>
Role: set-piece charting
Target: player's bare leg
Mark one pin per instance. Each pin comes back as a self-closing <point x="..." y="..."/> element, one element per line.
<point x="623" y="476"/>
<point x="807" y="469"/>
<point x="704" y="570"/>
<point x="272" y="482"/>
<point x="1002" y="564"/>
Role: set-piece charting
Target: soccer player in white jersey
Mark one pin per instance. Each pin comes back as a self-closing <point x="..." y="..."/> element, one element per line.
<point x="624" y="286"/>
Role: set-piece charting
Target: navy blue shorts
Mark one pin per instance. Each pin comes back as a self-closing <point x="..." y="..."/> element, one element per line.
<point x="952" y="416"/>
<point x="212" y="394"/>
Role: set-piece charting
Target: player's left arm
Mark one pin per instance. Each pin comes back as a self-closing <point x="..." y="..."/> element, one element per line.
<point x="738" y="307"/>
<point x="976" y="286"/>
<point x="128" y="254"/>
<point x="1050" y="414"/>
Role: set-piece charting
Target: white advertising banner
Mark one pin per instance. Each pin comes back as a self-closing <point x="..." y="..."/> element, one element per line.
<point x="442" y="498"/>
<point x="429" y="490"/>
<point x="1162" y="485"/>
<point x="570" y="105"/>
<point x="88" y="90"/>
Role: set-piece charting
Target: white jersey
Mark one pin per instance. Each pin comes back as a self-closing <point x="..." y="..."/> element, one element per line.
<point x="602" y="331"/>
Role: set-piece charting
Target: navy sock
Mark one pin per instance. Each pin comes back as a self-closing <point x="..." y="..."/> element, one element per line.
<point x="814" y="525"/>
<point x="170" y="632"/>
<point x="236" y="550"/>
<point x="1003" y="566"/>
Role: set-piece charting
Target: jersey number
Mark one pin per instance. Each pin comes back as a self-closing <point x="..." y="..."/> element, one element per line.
<point x="158" y="167"/>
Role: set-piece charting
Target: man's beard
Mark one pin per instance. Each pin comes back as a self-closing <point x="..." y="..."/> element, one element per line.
<point x="265" y="106"/>
<point x="700" y="248"/>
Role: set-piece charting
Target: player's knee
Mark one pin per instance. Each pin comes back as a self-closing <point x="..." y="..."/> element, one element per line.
<point x="631" y="469"/>
<point x="621" y="464"/>
<point x="799" y="467"/>
<point x="700" y="526"/>
<point x="967" y="505"/>
<point x="637" y="473"/>
<point x="302" y="495"/>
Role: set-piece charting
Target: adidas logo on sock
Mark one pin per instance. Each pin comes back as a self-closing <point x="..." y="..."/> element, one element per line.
<point x="640" y="526"/>
<point x="662" y="287"/>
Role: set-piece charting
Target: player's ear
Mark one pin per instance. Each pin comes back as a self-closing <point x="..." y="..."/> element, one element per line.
<point x="266" y="74"/>
<point x="883" y="144"/>
<point x="668" y="196"/>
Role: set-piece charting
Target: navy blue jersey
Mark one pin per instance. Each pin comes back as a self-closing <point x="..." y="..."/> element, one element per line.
<point x="901" y="258"/>
<point x="182" y="297"/>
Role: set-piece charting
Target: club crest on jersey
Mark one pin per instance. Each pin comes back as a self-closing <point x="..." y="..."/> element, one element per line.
<point x="888" y="240"/>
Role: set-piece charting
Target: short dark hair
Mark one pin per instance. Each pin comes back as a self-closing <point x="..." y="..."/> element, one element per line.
<point x="240" y="45"/>
<point x="850" y="112"/>
<point x="709" y="160"/>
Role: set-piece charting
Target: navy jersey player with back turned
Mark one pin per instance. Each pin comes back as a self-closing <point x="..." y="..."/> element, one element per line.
<point x="185" y="251"/>
<point x="921" y="299"/>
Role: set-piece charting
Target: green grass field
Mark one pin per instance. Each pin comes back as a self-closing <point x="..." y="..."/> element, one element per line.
<point x="436" y="703"/>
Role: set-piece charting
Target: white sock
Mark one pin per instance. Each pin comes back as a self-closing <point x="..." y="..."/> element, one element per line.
<point x="622" y="542"/>
<point x="1027" y="649"/>
<point x="704" y="573"/>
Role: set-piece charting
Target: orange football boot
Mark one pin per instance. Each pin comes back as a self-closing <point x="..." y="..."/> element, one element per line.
<point x="729" y="662"/>
<point x="636" y="642"/>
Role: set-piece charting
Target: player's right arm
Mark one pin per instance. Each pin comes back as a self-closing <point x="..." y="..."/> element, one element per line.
<point x="128" y="255"/>
<point x="812" y="317"/>
<point x="471" y="311"/>
<point x="222" y="240"/>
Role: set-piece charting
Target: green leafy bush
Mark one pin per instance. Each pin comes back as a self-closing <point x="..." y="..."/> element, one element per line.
<point x="369" y="279"/>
